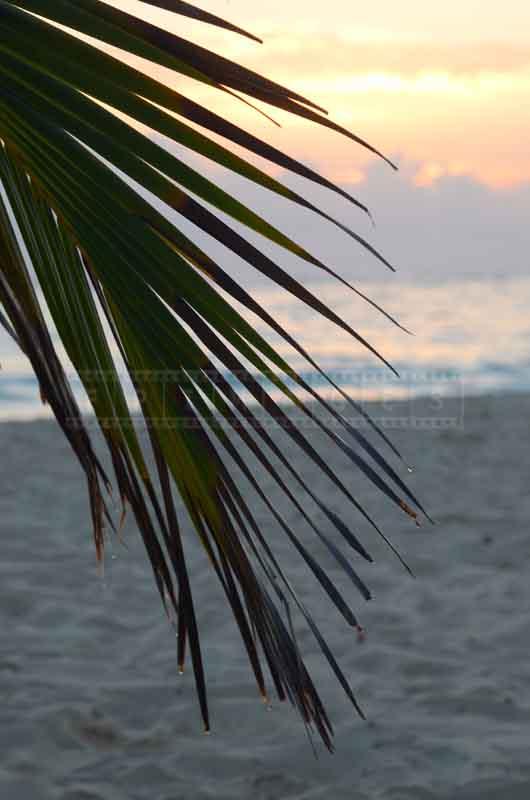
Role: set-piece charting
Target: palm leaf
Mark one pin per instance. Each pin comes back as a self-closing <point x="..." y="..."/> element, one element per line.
<point x="75" y="231"/>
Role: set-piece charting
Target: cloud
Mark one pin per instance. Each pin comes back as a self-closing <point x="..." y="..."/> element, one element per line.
<point x="462" y="107"/>
<point x="455" y="99"/>
<point x="454" y="228"/>
<point x="461" y="251"/>
<point x="329" y="54"/>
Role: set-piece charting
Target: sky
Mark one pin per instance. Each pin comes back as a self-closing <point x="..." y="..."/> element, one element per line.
<point x="444" y="90"/>
<point x="443" y="86"/>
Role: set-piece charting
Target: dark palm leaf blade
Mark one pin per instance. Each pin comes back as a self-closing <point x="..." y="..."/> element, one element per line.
<point x="167" y="46"/>
<point x="228" y="73"/>
<point x="21" y="305"/>
<point x="205" y="264"/>
<point x="108" y="131"/>
<point x="218" y="382"/>
<point x="65" y="287"/>
<point x="129" y="488"/>
<point x="225" y="72"/>
<point x="280" y="646"/>
<point x="232" y="557"/>
<point x="188" y="628"/>
<point x="235" y="337"/>
<point x="191" y="11"/>
<point x="215" y="346"/>
<point x="168" y="525"/>
<point x="75" y="166"/>
<point x="277" y="414"/>
<point x="230" y="552"/>
<point x="279" y="575"/>
<point x="73" y="16"/>
<point x="108" y="69"/>
<point x="319" y="462"/>
<point x="6" y="325"/>
<point x="120" y="155"/>
<point x="150" y="115"/>
<point x="318" y="572"/>
<point x="191" y="506"/>
<point x="206" y="118"/>
<point x="136" y="36"/>
<point x="194" y="213"/>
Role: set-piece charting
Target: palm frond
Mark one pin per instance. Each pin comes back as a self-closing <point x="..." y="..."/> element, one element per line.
<point x="75" y="232"/>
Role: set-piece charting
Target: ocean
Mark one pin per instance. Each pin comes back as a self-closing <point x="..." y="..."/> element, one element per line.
<point x="469" y="337"/>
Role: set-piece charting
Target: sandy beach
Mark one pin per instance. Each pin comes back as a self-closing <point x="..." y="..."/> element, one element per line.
<point x="91" y="704"/>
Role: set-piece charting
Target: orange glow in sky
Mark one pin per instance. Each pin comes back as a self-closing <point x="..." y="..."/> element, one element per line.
<point x="443" y="85"/>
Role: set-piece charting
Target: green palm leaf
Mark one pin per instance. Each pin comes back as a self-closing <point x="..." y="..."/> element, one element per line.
<point x="75" y="231"/>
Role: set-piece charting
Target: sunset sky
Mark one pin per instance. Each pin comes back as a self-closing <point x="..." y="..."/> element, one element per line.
<point x="442" y="87"/>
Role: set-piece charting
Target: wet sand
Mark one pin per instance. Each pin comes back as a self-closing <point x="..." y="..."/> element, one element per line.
<point x="92" y="708"/>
